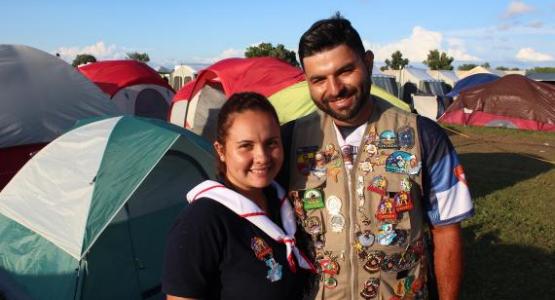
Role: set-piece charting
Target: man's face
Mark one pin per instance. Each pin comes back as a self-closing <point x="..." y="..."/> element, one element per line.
<point x="339" y="82"/>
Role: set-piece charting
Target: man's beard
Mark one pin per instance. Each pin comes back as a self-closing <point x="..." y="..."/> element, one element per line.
<point x="348" y="114"/>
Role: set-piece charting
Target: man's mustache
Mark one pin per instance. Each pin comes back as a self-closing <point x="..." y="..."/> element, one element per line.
<point x="343" y="93"/>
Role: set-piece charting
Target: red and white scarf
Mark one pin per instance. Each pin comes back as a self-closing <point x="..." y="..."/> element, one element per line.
<point x="247" y="209"/>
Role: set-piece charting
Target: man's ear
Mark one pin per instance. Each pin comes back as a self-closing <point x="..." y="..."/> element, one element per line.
<point x="219" y="151"/>
<point x="369" y="60"/>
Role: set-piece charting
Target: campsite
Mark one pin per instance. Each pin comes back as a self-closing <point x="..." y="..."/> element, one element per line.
<point x="109" y="122"/>
<point x="510" y="173"/>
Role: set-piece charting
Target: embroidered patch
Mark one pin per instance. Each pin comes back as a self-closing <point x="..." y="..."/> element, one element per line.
<point x="388" y="140"/>
<point x="305" y="158"/>
<point x="313" y="199"/>
<point x="406" y="137"/>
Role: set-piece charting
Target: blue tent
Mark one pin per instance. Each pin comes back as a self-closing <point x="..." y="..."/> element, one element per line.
<point x="471" y="81"/>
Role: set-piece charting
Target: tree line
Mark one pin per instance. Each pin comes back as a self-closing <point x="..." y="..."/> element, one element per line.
<point x="435" y="59"/>
<point x="82" y="59"/>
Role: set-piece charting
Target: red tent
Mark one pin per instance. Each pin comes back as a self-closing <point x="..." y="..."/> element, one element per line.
<point x="264" y="75"/>
<point x="512" y="101"/>
<point x="134" y="87"/>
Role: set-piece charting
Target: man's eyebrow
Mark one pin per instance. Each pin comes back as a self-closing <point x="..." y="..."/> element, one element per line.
<point x="315" y="77"/>
<point x="243" y="141"/>
<point x="346" y="67"/>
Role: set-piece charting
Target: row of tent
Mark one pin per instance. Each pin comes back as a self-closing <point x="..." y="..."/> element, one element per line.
<point x="86" y="215"/>
<point x="92" y="208"/>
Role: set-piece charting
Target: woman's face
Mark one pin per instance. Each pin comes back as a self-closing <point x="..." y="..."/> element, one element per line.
<point x="252" y="153"/>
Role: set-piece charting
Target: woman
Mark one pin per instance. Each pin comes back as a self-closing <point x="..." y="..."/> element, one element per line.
<point x="236" y="240"/>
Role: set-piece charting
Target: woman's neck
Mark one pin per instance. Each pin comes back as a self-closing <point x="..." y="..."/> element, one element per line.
<point x="255" y="195"/>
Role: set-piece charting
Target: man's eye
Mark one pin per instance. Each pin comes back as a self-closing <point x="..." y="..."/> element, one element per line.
<point x="273" y="143"/>
<point x="346" y="71"/>
<point x="317" y="81"/>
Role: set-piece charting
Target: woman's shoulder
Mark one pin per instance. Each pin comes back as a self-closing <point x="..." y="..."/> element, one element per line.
<point x="205" y="211"/>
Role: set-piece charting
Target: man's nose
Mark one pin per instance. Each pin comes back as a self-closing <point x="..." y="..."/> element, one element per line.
<point x="334" y="87"/>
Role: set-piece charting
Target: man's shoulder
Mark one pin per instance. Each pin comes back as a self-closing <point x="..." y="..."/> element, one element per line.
<point x="386" y="108"/>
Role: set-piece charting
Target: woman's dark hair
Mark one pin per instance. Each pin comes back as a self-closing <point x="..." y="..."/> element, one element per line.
<point x="238" y="103"/>
<point x="327" y="34"/>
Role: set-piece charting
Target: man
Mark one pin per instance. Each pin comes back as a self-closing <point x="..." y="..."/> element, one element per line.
<point x="392" y="180"/>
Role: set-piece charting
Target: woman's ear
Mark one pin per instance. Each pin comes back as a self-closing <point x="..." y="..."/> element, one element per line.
<point x="219" y="151"/>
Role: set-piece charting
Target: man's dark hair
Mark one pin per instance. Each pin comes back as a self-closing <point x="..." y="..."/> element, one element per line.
<point x="327" y="34"/>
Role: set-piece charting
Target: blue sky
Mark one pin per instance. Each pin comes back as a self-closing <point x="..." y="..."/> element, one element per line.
<point x="509" y="33"/>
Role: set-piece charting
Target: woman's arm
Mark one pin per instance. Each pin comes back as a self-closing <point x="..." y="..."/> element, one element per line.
<point x="193" y="251"/>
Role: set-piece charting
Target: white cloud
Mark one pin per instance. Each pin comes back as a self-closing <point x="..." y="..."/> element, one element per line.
<point x="227" y="53"/>
<point x="415" y="47"/>
<point x="529" y="55"/>
<point x="457" y="49"/>
<point x="418" y="45"/>
<point x="99" y="50"/>
<point x="517" y="8"/>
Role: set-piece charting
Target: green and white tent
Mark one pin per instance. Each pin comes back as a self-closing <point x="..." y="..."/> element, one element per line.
<point x="87" y="216"/>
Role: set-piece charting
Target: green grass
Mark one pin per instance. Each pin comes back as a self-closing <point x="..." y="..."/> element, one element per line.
<point x="510" y="242"/>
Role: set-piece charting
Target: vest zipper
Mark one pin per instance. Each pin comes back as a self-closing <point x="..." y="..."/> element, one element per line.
<point x="350" y="234"/>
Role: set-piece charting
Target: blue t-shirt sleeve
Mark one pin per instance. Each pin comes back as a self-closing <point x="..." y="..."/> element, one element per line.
<point x="446" y="197"/>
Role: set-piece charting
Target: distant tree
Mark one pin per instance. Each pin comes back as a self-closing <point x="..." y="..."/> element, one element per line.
<point x="515" y="69"/>
<point x="541" y="70"/>
<point x="438" y="61"/>
<point x="397" y="61"/>
<point x="279" y="51"/>
<point x="502" y="68"/>
<point x="82" y="59"/>
<point x="142" y="57"/>
<point x="485" y="65"/>
<point x="466" y="67"/>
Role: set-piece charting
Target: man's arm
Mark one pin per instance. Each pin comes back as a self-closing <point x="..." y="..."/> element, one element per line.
<point x="448" y="260"/>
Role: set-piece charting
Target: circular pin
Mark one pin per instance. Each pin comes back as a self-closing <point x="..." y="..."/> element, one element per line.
<point x="329" y="266"/>
<point x="333" y="205"/>
<point x="366" y="167"/>
<point x="366" y="238"/>
<point x="371" y="149"/>
<point x="375" y="258"/>
<point x="313" y="225"/>
<point x="330" y="283"/>
<point x="337" y="222"/>
<point x="370" y="289"/>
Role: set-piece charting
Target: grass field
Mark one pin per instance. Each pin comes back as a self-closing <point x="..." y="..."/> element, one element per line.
<point x="510" y="242"/>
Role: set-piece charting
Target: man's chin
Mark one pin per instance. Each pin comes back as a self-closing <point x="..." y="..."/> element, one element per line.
<point x="342" y="115"/>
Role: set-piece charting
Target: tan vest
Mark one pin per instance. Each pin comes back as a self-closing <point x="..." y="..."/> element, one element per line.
<point x="356" y="209"/>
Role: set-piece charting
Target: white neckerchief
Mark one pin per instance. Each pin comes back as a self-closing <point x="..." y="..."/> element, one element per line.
<point x="354" y="139"/>
<point x="247" y="209"/>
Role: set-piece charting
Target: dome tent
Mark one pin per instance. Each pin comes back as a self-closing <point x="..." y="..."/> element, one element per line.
<point x="87" y="216"/>
<point x="512" y="101"/>
<point x="196" y="105"/>
<point x="133" y="86"/>
<point x="41" y="97"/>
